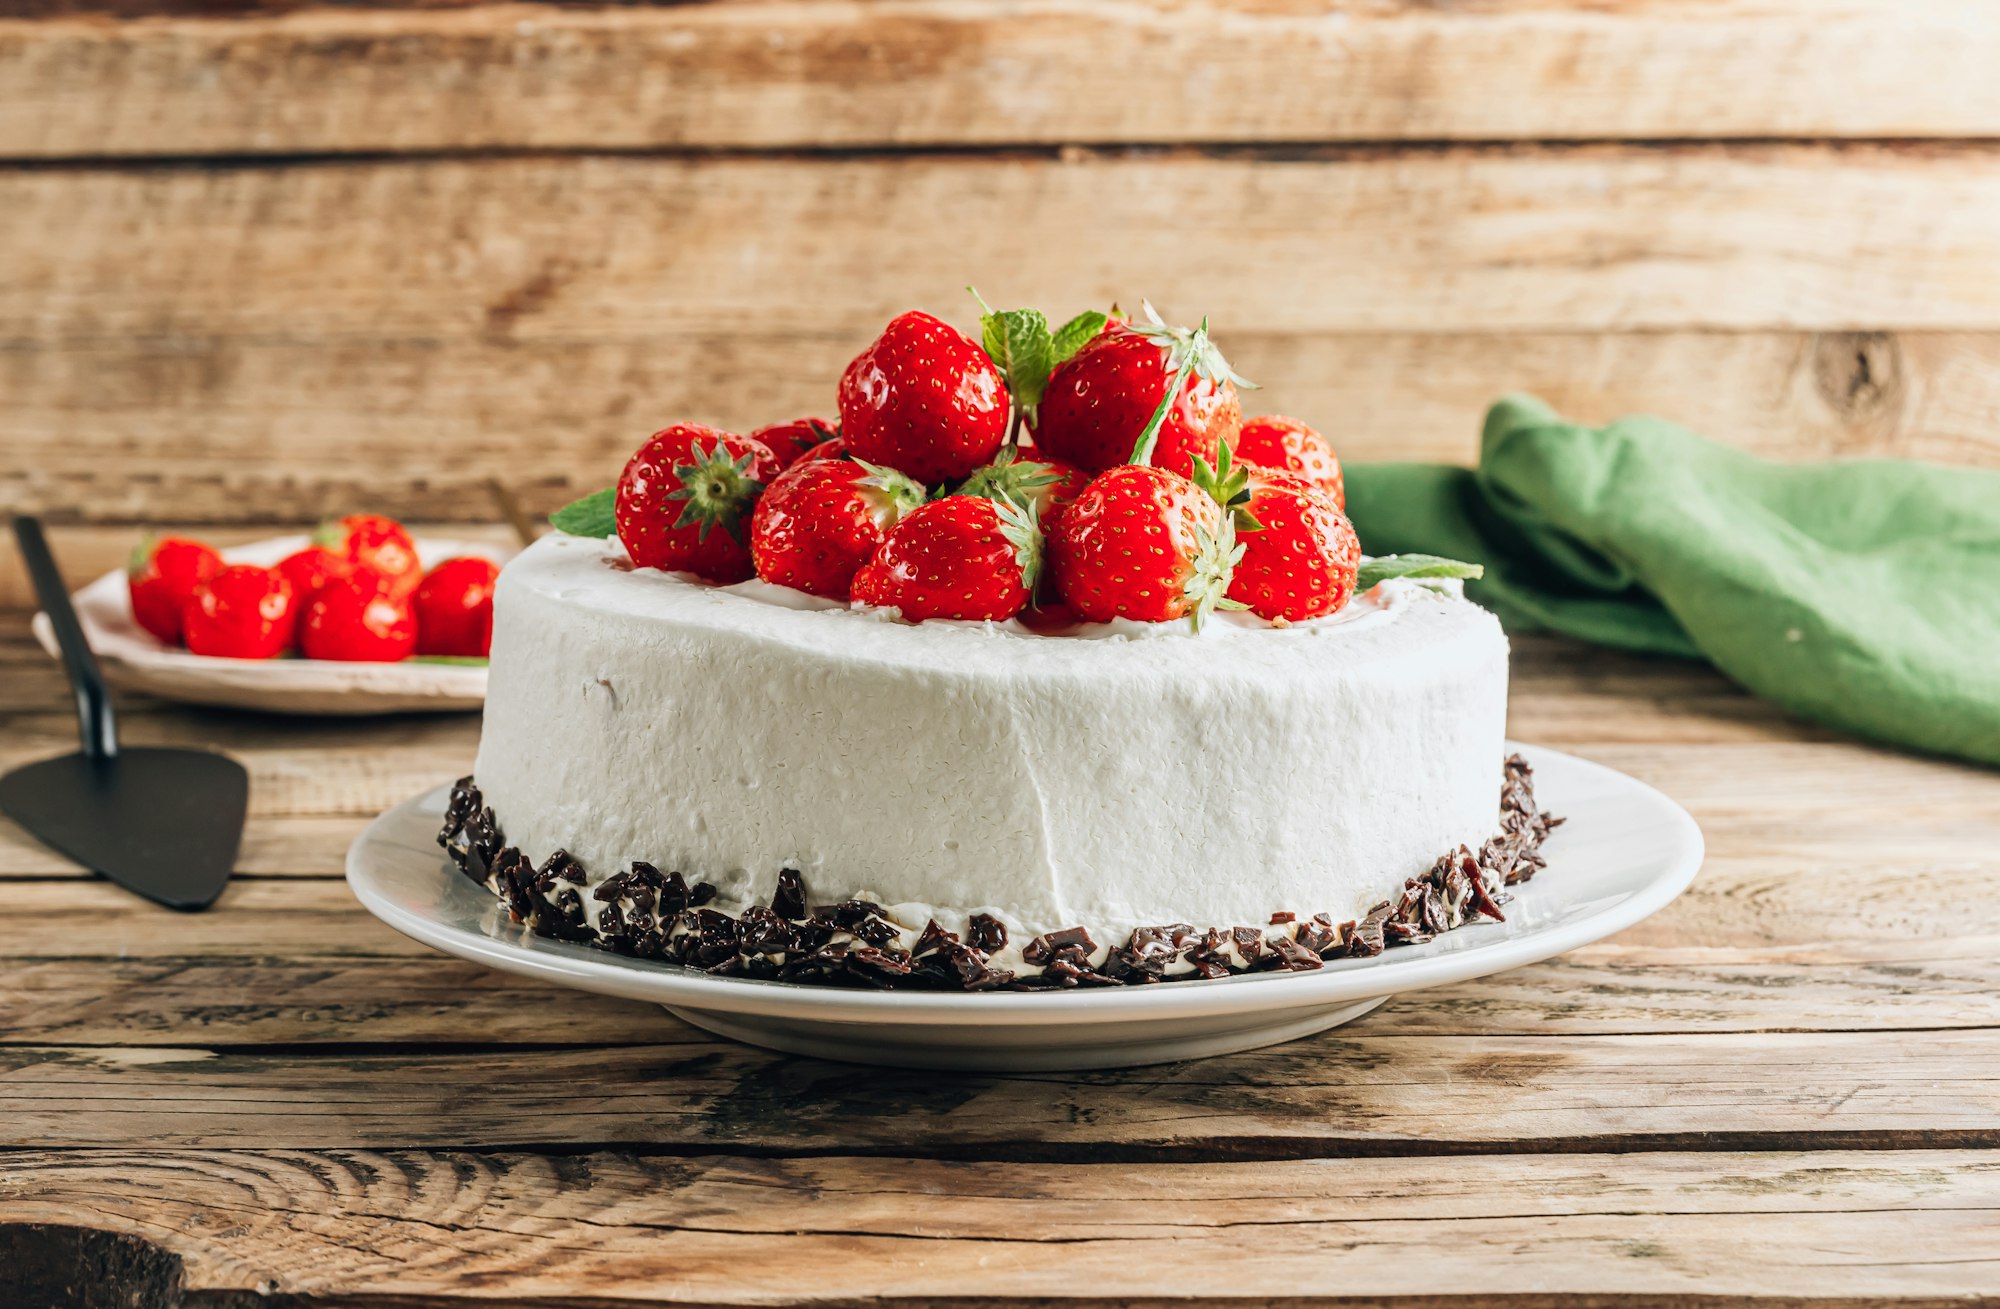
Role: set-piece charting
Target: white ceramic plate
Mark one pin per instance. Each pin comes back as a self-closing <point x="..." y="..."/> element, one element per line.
<point x="133" y="659"/>
<point x="1625" y="851"/>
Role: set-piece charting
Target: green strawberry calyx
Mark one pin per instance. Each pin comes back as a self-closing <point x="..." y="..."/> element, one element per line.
<point x="1375" y="571"/>
<point x="1020" y="527"/>
<point x="594" y="515"/>
<point x="1207" y="587"/>
<point x="1228" y="484"/>
<point x="1025" y="350"/>
<point x="1182" y="352"/>
<point x="886" y="494"/>
<point x="141" y="557"/>
<point x="1010" y="477"/>
<point x="716" y="490"/>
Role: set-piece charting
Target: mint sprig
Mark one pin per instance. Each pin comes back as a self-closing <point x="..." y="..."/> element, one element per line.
<point x="1026" y="352"/>
<point x="1416" y="566"/>
<point x="1077" y="333"/>
<point x="595" y="515"/>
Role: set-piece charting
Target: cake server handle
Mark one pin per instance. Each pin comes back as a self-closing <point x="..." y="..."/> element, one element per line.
<point x="95" y="723"/>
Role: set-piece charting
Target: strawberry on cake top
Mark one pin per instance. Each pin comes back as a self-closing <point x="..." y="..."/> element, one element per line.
<point x="874" y="705"/>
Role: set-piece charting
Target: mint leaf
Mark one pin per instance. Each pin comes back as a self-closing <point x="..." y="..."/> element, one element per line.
<point x="1018" y="342"/>
<point x="594" y="515"/>
<point x="1077" y="333"/>
<point x="1388" y="566"/>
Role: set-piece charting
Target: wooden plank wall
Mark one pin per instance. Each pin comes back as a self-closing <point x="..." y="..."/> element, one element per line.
<point x="266" y="261"/>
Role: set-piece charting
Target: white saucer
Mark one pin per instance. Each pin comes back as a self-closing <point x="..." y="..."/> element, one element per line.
<point x="1625" y="851"/>
<point x="133" y="659"/>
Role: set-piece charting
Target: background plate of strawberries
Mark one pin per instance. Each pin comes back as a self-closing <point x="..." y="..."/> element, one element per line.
<point x="360" y="619"/>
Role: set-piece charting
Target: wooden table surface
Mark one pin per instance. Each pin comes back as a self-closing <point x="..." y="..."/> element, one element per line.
<point x="1783" y="1088"/>
<point x="267" y="260"/>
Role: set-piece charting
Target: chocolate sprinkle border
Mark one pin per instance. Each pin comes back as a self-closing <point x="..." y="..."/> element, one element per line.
<point x="648" y="914"/>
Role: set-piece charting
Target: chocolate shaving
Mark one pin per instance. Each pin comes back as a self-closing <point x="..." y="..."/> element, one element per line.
<point x="988" y="933"/>
<point x="658" y="916"/>
<point x="789" y="900"/>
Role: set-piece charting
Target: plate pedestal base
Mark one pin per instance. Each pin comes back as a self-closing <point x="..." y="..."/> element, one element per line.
<point x="1006" y="1048"/>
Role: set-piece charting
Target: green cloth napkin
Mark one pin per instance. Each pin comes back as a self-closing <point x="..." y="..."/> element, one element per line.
<point x="1862" y="593"/>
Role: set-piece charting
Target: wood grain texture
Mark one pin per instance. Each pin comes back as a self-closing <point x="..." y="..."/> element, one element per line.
<point x="1340" y="1094"/>
<point x="928" y="72"/>
<point x="1607" y="1230"/>
<point x="205" y="345"/>
<point x="1462" y="240"/>
<point x="304" y="1000"/>
<point x="222" y="431"/>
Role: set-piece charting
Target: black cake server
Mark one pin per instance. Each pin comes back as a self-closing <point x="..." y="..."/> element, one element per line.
<point x="163" y="822"/>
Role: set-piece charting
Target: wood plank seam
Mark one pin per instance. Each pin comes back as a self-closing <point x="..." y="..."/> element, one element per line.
<point x="1075" y="152"/>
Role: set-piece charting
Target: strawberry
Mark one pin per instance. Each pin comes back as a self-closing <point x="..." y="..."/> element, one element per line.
<point x="683" y="485"/>
<point x="355" y="619"/>
<point x="1141" y="394"/>
<point x="1300" y="560"/>
<point x="311" y="568"/>
<point x="830" y="449"/>
<point x="823" y="518"/>
<point x="1046" y="486"/>
<point x="454" y="608"/>
<point x="162" y="576"/>
<point x="243" y="612"/>
<point x="1144" y="543"/>
<point x="792" y="441"/>
<point x="960" y="557"/>
<point x="1287" y="445"/>
<point x="924" y="399"/>
<point x="379" y="544"/>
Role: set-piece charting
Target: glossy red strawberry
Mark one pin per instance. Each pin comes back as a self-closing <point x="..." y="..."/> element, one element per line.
<point x="823" y="518"/>
<point x="1287" y="445"/>
<point x="353" y="619"/>
<point x="960" y="557"/>
<point x="792" y="441"/>
<point x="925" y="400"/>
<point x="1144" y="543"/>
<point x="685" y="498"/>
<point x="1300" y="562"/>
<point x="1045" y="485"/>
<point x="311" y="568"/>
<point x="454" y="607"/>
<point x="1100" y="404"/>
<point x="833" y="449"/>
<point x="380" y="545"/>
<point x="162" y="575"/>
<point x="243" y="612"/>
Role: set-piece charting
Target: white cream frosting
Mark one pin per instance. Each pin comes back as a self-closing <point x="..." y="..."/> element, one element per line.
<point x="944" y="769"/>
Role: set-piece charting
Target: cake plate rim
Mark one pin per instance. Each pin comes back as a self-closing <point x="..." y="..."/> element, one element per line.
<point x="1625" y="851"/>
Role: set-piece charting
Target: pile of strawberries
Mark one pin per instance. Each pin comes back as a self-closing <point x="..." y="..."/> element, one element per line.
<point x="357" y="593"/>
<point x="1114" y="449"/>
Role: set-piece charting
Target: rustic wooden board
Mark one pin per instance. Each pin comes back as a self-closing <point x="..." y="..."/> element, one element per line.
<point x="1611" y="1230"/>
<point x="953" y="72"/>
<point x="238" y="364"/>
<point x="229" y="430"/>
<point x="1340" y="1094"/>
<point x="1381" y="240"/>
<point x="303" y="999"/>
